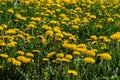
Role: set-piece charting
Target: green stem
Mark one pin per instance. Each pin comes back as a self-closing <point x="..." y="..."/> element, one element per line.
<point x="76" y="62"/>
<point x="87" y="71"/>
<point x="66" y="71"/>
<point x="105" y="70"/>
<point x="118" y="47"/>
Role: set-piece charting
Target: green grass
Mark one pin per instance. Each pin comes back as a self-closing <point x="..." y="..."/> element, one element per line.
<point x="17" y="33"/>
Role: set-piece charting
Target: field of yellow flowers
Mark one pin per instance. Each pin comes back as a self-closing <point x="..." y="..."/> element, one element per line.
<point x="59" y="40"/>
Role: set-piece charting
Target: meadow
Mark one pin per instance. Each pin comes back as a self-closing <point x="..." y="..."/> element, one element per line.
<point x="59" y="40"/>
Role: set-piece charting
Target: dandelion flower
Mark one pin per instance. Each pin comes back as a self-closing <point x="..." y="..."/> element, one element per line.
<point x="90" y="53"/>
<point x="16" y="62"/>
<point x="73" y="72"/>
<point x="20" y="52"/>
<point x="49" y="55"/>
<point x="29" y="55"/>
<point x="60" y="55"/>
<point x="10" y="59"/>
<point x="35" y="51"/>
<point x="68" y="56"/>
<point x="93" y="37"/>
<point x="45" y="59"/>
<point x="65" y="60"/>
<point x="10" y="10"/>
<point x="105" y="56"/>
<point x="76" y="53"/>
<point x="89" y="60"/>
<point x="4" y="55"/>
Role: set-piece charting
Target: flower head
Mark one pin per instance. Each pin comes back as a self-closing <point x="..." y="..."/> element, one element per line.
<point x="29" y="55"/>
<point x="60" y="55"/>
<point x="105" y="56"/>
<point x="20" y="52"/>
<point x="4" y="55"/>
<point x="89" y="60"/>
<point x="73" y="72"/>
<point x="68" y="56"/>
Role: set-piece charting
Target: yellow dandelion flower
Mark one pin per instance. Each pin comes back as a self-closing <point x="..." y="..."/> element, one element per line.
<point x="85" y="20"/>
<point x="105" y="56"/>
<point x="19" y="36"/>
<point x="93" y="37"/>
<point x="75" y="27"/>
<point x="21" y="58"/>
<point x="49" y="55"/>
<point x="63" y="15"/>
<point x="53" y="22"/>
<point x="73" y="38"/>
<point x="90" y="53"/>
<point x="46" y="27"/>
<point x="65" y="45"/>
<point x="58" y="10"/>
<point x="110" y="19"/>
<point x="81" y="45"/>
<point x="45" y="59"/>
<point x="54" y="61"/>
<point x="103" y="6"/>
<point x="49" y="33"/>
<point x="76" y="53"/>
<point x="35" y="51"/>
<point x="72" y="46"/>
<point x="20" y="52"/>
<point x="94" y="42"/>
<point x="23" y="18"/>
<point x="89" y="60"/>
<point x="107" y="40"/>
<point x="95" y="50"/>
<point x="93" y="16"/>
<point x="11" y="31"/>
<point x="81" y="50"/>
<point x="57" y="29"/>
<point x="27" y="60"/>
<point x="103" y="45"/>
<point x="10" y="10"/>
<point x="66" y="41"/>
<point x="60" y="55"/>
<point x="29" y="55"/>
<point x="1" y="28"/>
<point x="12" y="44"/>
<point x="73" y="72"/>
<point x="58" y="59"/>
<point x="59" y="35"/>
<point x="2" y="43"/>
<point x="11" y="59"/>
<point x="99" y="26"/>
<point x="35" y="18"/>
<point x="16" y="62"/>
<point x="67" y="34"/>
<point x="20" y="17"/>
<point x="4" y="55"/>
<point x="115" y="36"/>
<point x="43" y="41"/>
<point x="68" y="56"/>
<point x="31" y="25"/>
<point x="65" y="60"/>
